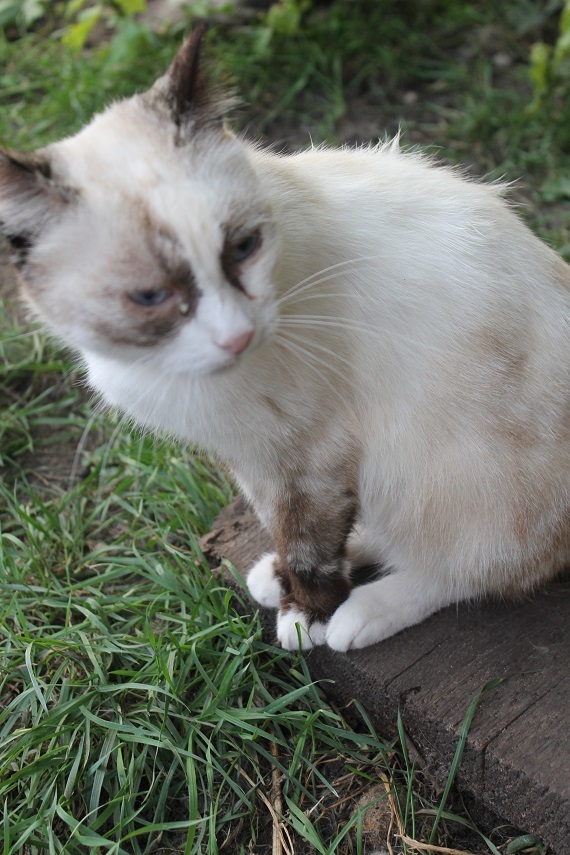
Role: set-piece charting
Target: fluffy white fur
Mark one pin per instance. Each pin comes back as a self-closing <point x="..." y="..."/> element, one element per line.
<point x="398" y="310"/>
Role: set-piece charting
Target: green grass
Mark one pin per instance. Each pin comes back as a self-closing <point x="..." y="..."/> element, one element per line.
<point x="31" y="376"/>
<point x="140" y="708"/>
<point x="49" y="90"/>
<point x="136" y="700"/>
<point x="347" y="63"/>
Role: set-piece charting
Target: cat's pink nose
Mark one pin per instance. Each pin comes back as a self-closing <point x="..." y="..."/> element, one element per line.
<point x="238" y="344"/>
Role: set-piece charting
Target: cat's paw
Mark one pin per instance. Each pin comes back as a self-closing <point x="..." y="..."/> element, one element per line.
<point x="361" y="620"/>
<point x="293" y="627"/>
<point x="379" y="609"/>
<point x="263" y="583"/>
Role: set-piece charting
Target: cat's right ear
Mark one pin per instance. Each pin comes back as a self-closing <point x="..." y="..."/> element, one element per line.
<point x="29" y="199"/>
<point x="191" y="99"/>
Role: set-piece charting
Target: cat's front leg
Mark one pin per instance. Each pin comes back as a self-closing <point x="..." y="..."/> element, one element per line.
<point x="308" y="577"/>
<point x="305" y="604"/>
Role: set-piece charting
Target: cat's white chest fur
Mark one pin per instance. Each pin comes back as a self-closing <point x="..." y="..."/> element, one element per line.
<point x="378" y="348"/>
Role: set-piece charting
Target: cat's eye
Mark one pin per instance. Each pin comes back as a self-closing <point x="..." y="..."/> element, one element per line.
<point x="246" y="247"/>
<point x="150" y="298"/>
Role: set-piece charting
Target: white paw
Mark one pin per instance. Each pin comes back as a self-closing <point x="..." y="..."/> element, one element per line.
<point x="379" y="609"/>
<point x="292" y="626"/>
<point x="263" y="584"/>
<point x="359" y="621"/>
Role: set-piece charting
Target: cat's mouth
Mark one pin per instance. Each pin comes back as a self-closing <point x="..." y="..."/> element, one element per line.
<point x="220" y="360"/>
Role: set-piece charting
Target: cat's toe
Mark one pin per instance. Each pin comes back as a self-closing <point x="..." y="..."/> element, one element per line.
<point x="263" y="584"/>
<point x="293" y="628"/>
<point x="340" y="633"/>
<point x="353" y="624"/>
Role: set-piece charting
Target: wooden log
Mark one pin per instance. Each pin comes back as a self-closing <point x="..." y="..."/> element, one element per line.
<point x="517" y="760"/>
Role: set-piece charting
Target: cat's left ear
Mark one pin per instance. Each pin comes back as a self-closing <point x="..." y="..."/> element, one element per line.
<point x="192" y="101"/>
<point x="29" y="199"/>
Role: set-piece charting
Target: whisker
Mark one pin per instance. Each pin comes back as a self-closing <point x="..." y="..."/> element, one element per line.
<point x="322" y="275"/>
<point x="329" y="322"/>
<point x="312" y="343"/>
<point x="326" y="321"/>
<point x="306" y="346"/>
<point x="319" y="296"/>
<point x="301" y="289"/>
<point x="308" y="359"/>
<point x="336" y="266"/>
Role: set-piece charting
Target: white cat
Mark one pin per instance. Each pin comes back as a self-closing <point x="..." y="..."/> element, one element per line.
<point x="378" y="347"/>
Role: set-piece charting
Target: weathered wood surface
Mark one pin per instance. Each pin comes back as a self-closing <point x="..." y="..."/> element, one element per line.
<point x="517" y="760"/>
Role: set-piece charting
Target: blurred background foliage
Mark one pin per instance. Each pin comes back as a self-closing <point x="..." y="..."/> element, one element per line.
<point x="483" y="84"/>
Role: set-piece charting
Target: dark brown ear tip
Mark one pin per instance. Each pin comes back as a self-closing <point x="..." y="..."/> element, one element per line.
<point x="32" y="162"/>
<point x="187" y="89"/>
<point x="197" y="33"/>
<point x="191" y="48"/>
<point x="193" y="99"/>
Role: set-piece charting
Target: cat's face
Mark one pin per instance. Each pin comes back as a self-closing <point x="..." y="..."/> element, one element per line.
<point x="147" y="235"/>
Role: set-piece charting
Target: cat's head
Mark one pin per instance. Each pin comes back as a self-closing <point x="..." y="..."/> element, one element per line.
<point x="148" y="234"/>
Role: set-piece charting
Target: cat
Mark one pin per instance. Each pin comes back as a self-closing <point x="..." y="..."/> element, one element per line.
<point x="377" y="347"/>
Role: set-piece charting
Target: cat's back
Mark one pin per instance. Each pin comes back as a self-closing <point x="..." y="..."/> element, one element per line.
<point x="425" y="223"/>
<point x="455" y="297"/>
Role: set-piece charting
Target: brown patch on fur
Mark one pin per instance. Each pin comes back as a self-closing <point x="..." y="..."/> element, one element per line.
<point x="187" y="90"/>
<point x="146" y="326"/>
<point x="141" y="326"/>
<point x="507" y="357"/>
<point x="522" y="522"/>
<point x="507" y="353"/>
<point x="559" y="551"/>
<point x="317" y="598"/>
<point x="310" y="536"/>
<point x="274" y="406"/>
<point x="311" y="533"/>
<point x="520" y="437"/>
<point x="16" y="164"/>
<point x="282" y="572"/>
<point x="164" y="268"/>
<point x="544" y="562"/>
<point x="231" y="266"/>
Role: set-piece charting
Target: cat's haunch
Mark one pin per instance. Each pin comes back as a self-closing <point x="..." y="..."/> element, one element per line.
<point x="376" y="346"/>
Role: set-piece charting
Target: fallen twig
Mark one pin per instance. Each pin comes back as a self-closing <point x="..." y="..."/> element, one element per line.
<point x="286" y="848"/>
<point x="429" y="847"/>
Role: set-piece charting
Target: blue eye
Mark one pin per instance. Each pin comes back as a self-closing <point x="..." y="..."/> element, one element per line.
<point x="246" y="247"/>
<point x="149" y="298"/>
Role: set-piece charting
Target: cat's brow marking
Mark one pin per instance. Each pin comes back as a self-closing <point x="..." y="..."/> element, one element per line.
<point x="177" y="269"/>
<point x="230" y="267"/>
